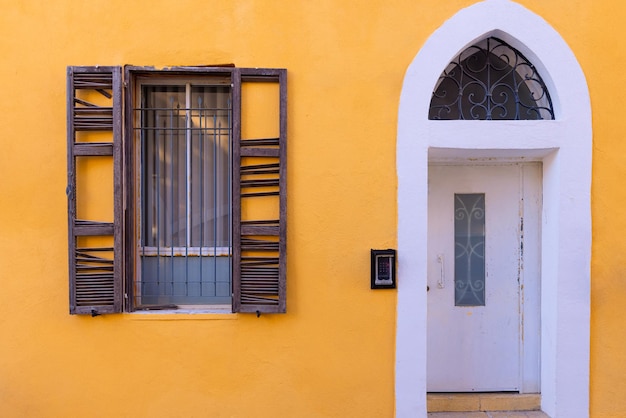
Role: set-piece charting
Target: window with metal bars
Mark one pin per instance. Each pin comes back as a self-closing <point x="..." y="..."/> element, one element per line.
<point x="184" y="137"/>
<point x="198" y="157"/>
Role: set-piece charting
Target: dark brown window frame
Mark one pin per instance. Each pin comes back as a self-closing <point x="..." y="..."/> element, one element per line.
<point x="101" y="284"/>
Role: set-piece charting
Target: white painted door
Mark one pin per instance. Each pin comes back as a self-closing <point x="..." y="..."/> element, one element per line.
<point x="475" y="273"/>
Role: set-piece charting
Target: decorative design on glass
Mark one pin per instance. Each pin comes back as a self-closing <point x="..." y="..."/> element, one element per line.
<point x="469" y="249"/>
<point x="490" y="81"/>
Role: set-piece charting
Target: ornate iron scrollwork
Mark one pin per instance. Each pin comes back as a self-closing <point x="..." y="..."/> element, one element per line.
<point x="490" y="81"/>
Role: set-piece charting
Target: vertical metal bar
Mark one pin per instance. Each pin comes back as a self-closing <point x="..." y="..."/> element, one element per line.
<point x="157" y="186"/>
<point x="229" y="190"/>
<point x="202" y="116"/>
<point x="143" y="190"/>
<point x="172" y="129"/>
<point x="489" y="87"/>
<point x="188" y="161"/>
<point x="215" y="202"/>
<point x="188" y="131"/>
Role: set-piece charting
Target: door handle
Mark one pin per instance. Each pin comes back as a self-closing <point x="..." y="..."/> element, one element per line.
<point x="441" y="283"/>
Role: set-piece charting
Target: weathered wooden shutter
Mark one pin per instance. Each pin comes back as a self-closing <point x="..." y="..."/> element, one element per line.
<point x="259" y="176"/>
<point x="94" y="132"/>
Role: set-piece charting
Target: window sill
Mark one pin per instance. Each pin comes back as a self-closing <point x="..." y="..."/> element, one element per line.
<point x="183" y="314"/>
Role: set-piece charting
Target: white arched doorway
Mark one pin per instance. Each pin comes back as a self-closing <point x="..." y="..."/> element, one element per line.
<point x="563" y="146"/>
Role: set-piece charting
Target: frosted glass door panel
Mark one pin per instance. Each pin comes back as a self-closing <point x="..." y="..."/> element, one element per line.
<point x="469" y="249"/>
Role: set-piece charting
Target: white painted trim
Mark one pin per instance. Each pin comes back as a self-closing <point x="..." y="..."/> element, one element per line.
<point x="564" y="147"/>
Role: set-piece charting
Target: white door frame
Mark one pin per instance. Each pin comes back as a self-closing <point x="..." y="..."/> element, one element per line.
<point x="563" y="145"/>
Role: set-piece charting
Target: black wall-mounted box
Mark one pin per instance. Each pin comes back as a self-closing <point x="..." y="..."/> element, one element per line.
<point x="383" y="269"/>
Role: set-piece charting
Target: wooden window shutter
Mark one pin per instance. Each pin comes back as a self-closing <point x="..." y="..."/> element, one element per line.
<point x="259" y="180"/>
<point x="94" y="134"/>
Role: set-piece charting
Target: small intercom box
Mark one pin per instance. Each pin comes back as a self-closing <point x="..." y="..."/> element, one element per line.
<point x="383" y="269"/>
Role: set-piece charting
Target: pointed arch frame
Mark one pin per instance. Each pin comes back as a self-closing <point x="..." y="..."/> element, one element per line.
<point x="563" y="145"/>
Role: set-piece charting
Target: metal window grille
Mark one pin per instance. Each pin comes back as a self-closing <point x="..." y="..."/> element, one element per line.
<point x="185" y="216"/>
<point x="489" y="81"/>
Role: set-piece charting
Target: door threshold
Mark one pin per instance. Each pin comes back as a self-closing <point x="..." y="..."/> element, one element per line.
<point x="483" y="401"/>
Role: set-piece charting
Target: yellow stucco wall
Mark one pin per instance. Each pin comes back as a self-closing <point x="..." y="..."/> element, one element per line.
<point x="332" y="354"/>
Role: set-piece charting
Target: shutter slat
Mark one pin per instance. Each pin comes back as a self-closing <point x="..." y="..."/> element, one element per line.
<point x="95" y="273"/>
<point x="94" y="230"/>
<point x="260" y="183"/>
<point x="249" y="244"/>
<point x="259" y="282"/>
<point x="273" y="142"/>
<point x="260" y="169"/>
<point x="260" y="152"/>
<point x="93" y="149"/>
<point x="259" y="230"/>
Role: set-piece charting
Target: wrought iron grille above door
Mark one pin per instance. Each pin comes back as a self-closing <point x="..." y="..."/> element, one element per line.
<point x="490" y="80"/>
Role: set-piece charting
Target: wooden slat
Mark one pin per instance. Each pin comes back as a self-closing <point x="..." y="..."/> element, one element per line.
<point x="249" y="244"/>
<point x="92" y="110"/>
<point x="93" y="125"/>
<point x="254" y="298"/>
<point x="260" y="152"/>
<point x="260" y="183"/>
<point x="257" y="260"/>
<point x="260" y="194"/>
<point x="260" y="278"/>
<point x="259" y="169"/>
<point x="274" y="142"/>
<point x="260" y="230"/>
<point x="88" y="228"/>
<point x="271" y="75"/>
<point x="262" y="292"/>
<point x="93" y="149"/>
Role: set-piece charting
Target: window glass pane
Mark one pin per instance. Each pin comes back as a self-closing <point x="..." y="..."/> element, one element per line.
<point x="163" y="169"/>
<point x="210" y="166"/>
<point x="469" y="249"/>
